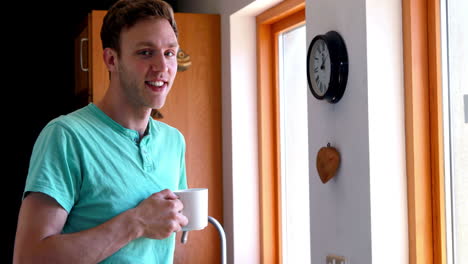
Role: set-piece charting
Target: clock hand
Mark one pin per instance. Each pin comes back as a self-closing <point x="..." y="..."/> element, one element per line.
<point x="324" y="58"/>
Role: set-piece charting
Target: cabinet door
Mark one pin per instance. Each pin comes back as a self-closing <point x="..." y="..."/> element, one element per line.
<point x="193" y="106"/>
<point x="98" y="73"/>
<point x="91" y="75"/>
<point x="82" y="67"/>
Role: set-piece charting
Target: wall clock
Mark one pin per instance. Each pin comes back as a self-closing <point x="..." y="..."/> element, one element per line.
<point x="327" y="66"/>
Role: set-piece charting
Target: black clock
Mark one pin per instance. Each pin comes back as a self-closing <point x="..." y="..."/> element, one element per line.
<point x="327" y="67"/>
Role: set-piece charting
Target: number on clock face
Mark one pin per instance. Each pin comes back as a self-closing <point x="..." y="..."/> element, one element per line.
<point x="320" y="67"/>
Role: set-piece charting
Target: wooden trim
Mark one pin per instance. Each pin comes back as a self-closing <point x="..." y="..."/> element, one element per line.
<point x="268" y="149"/>
<point x="279" y="18"/>
<point x="436" y="130"/>
<point x="289" y="22"/>
<point x="417" y="126"/>
<point x="283" y="9"/>
<point x="421" y="47"/>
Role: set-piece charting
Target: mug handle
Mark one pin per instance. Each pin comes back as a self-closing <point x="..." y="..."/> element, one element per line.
<point x="184" y="237"/>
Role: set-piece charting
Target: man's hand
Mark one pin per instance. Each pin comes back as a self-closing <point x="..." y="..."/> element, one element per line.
<point x="159" y="215"/>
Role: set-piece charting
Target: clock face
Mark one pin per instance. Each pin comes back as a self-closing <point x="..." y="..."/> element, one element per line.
<point x="327" y="67"/>
<point x="320" y="67"/>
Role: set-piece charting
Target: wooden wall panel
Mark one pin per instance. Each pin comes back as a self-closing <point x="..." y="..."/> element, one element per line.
<point x="194" y="107"/>
<point x="99" y="75"/>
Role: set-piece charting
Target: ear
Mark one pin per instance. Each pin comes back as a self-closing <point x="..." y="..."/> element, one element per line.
<point x="110" y="58"/>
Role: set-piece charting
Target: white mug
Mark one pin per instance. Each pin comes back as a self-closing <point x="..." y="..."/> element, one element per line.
<point x="195" y="201"/>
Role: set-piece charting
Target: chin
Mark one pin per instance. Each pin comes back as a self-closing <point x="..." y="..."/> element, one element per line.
<point x="157" y="105"/>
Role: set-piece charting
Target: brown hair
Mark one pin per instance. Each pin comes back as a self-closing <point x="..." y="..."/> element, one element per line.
<point x="126" y="13"/>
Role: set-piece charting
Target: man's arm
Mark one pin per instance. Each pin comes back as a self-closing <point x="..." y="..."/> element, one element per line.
<point x="41" y="220"/>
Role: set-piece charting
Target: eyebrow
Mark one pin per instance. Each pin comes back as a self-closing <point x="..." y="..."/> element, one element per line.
<point x="150" y="44"/>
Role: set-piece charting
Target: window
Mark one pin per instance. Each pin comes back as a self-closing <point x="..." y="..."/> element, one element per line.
<point x="454" y="36"/>
<point x="281" y="49"/>
<point x="294" y="195"/>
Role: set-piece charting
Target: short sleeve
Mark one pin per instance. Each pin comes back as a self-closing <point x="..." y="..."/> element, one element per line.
<point x="54" y="166"/>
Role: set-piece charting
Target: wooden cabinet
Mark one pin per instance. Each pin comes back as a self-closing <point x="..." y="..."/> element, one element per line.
<point x="193" y="106"/>
<point x="91" y="75"/>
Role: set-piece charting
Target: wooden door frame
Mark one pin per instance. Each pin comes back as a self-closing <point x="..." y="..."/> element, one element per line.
<point x="270" y="23"/>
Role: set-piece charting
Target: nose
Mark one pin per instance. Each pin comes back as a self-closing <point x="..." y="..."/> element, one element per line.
<point x="159" y="63"/>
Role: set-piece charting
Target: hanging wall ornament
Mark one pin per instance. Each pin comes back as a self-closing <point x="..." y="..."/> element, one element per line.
<point x="328" y="161"/>
<point x="183" y="60"/>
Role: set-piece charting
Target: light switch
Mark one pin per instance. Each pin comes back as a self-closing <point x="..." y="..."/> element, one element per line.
<point x="333" y="259"/>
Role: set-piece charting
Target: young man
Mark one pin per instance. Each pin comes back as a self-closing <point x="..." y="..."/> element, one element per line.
<point x="100" y="178"/>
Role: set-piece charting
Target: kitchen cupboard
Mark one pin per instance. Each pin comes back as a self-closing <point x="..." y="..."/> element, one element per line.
<point x="193" y="106"/>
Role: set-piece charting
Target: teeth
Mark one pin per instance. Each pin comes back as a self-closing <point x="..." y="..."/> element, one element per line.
<point x="157" y="83"/>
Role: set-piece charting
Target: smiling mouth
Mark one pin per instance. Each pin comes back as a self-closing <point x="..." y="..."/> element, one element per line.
<point x="156" y="86"/>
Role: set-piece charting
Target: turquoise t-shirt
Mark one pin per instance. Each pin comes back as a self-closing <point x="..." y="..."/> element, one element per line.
<point x="96" y="169"/>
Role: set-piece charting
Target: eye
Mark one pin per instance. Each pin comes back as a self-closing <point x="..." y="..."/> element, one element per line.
<point x="169" y="53"/>
<point x="145" y="53"/>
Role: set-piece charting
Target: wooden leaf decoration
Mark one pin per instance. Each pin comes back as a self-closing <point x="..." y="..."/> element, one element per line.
<point x="328" y="161"/>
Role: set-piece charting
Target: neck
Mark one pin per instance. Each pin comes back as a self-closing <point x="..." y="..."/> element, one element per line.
<point x="131" y="117"/>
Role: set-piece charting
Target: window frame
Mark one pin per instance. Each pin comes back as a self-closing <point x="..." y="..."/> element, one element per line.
<point x="424" y="131"/>
<point x="280" y="18"/>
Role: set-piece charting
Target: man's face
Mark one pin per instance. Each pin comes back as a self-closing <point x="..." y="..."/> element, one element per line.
<point x="147" y="64"/>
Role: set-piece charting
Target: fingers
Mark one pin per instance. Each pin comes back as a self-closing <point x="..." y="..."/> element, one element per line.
<point x="174" y="223"/>
<point x="164" y="214"/>
<point x="169" y="199"/>
<point x="167" y="194"/>
<point x="179" y="222"/>
<point x="182" y="219"/>
<point x="172" y="198"/>
<point x="176" y="206"/>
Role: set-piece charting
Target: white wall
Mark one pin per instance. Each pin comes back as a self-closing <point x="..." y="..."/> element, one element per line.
<point x="387" y="158"/>
<point x="239" y="106"/>
<point x="340" y="209"/>
<point x="244" y="162"/>
<point x="361" y="214"/>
